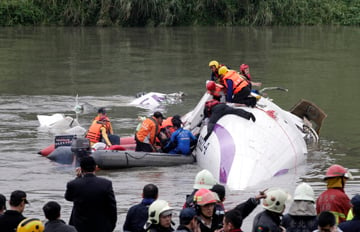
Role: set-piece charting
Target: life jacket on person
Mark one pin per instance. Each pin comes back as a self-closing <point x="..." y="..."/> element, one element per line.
<point x="107" y="124"/>
<point x="214" y="89"/>
<point x="148" y="131"/>
<point x="209" y="106"/>
<point x="94" y="132"/>
<point x="167" y="127"/>
<point x="239" y="82"/>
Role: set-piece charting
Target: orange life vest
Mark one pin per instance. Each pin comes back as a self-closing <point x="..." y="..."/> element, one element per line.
<point x="148" y="131"/>
<point x="239" y="82"/>
<point x="94" y="132"/>
<point x="108" y="125"/>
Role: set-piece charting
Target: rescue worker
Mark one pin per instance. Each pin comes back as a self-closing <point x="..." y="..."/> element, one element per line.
<point x="302" y="213"/>
<point x="167" y="129"/>
<point x="149" y="130"/>
<point x="205" y="200"/>
<point x="237" y="87"/>
<point x="98" y="132"/>
<point x="216" y="90"/>
<point x="334" y="199"/>
<point x="181" y="140"/>
<point x="101" y="114"/>
<point x="160" y="217"/>
<point x="245" y="71"/>
<point x="203" y="179"/>
<point x="30" y="225"/>
<point x="270" y="218"/>
<point x="214" y="66"/>
<point x="214" y="110"/>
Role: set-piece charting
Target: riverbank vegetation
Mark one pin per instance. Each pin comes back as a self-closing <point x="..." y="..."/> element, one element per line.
<point x="134" y="13"/>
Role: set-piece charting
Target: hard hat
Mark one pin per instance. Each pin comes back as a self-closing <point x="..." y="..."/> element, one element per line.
<point x="211" y="85"/>
<point x="214" y="63"/>
<point x="275" y="200"/>
<point x="304" y="192"/>
<point x="30" y="225"/>
<point x="223" y="70"/>
<point x="157" y="208"/>
<point x="204" y="179"/>
<point x="205" y="196"/>
<point x="243" y="67"/>
<point x="336" y="170"/>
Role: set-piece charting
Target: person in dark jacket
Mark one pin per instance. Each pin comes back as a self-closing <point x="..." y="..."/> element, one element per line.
<point x="232" y="221"/>
<point x="214" y="110"/>
<point x="270" y="218"/>
<point x="13" y="216"/>
<point x="302" y="212"/>
<point x="52" y="212"/>
<point x="188" y="221"/>
<point x="2" y="204"/>
<point x="354" y="224"/>
<point x="94" y="201"/>
<point x="137" y="215"/>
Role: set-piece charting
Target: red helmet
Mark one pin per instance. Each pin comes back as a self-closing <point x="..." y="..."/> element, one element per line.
<point x="243" y="67"/>
<point x="205" y="196"/>
<point x="211" y="85"/>
<point x="335" y="171"/>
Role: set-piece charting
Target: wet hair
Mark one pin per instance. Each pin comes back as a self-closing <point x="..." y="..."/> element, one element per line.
<point x="52" y="210"/>
<point x="150" y="191"/>
<point x="234" y="217"/>
<point x="102" y="110"/>
<point x="326" y="218"/>
<point x="220" y="190"/>
<point x="88" y="164"/>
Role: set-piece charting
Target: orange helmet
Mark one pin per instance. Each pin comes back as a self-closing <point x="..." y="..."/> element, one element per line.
<point x="205" y="196"/>
<point x="336" y="170"/>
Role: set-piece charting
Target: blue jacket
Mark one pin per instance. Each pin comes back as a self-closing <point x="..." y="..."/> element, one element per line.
<point x="351" y="226"/>
<point x="182" y="139"/>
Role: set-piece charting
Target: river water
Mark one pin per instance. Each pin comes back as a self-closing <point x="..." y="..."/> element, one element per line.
<point x="43" y="69"/>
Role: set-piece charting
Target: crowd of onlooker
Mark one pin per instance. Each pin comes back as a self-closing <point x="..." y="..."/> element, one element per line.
<point x="94" y="208"/>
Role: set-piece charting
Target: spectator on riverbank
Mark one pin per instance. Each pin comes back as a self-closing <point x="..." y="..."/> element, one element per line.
<point x="188" y="221"/>
<point x="94" y="201"/>
<point x="13" y="216"/>
<point x="327" y="222"/>
<point x="52" y="212"/>
<point x="2" y="204"/>
<point x="137" y="215"/>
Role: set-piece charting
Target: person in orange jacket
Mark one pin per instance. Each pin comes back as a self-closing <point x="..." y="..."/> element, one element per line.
<point x="102" y="113"/>
<point x="237" y="87"/>
<point x="98" y="132"/>
<point x="145" y="137"/>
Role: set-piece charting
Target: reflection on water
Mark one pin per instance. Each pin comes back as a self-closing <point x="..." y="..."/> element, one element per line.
<point x="43" y="69"/>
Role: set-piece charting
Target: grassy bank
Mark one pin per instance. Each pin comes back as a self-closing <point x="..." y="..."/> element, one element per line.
<point x="131" y="13"/>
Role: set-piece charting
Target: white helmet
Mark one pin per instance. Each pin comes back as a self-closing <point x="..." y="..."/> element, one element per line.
<point x="204" y="179"/>
<point x="275" y="200"/>
<point x="304" y="192"/>
<point x="157" y="208"/>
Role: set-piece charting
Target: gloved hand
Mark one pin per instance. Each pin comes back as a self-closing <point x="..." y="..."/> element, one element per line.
<point x="252" y="117"/>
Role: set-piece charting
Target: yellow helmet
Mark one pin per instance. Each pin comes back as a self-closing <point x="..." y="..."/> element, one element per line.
<point x="214" y="63"/>
<point x="223" y="70"/>
<point x="30" y="225"/>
